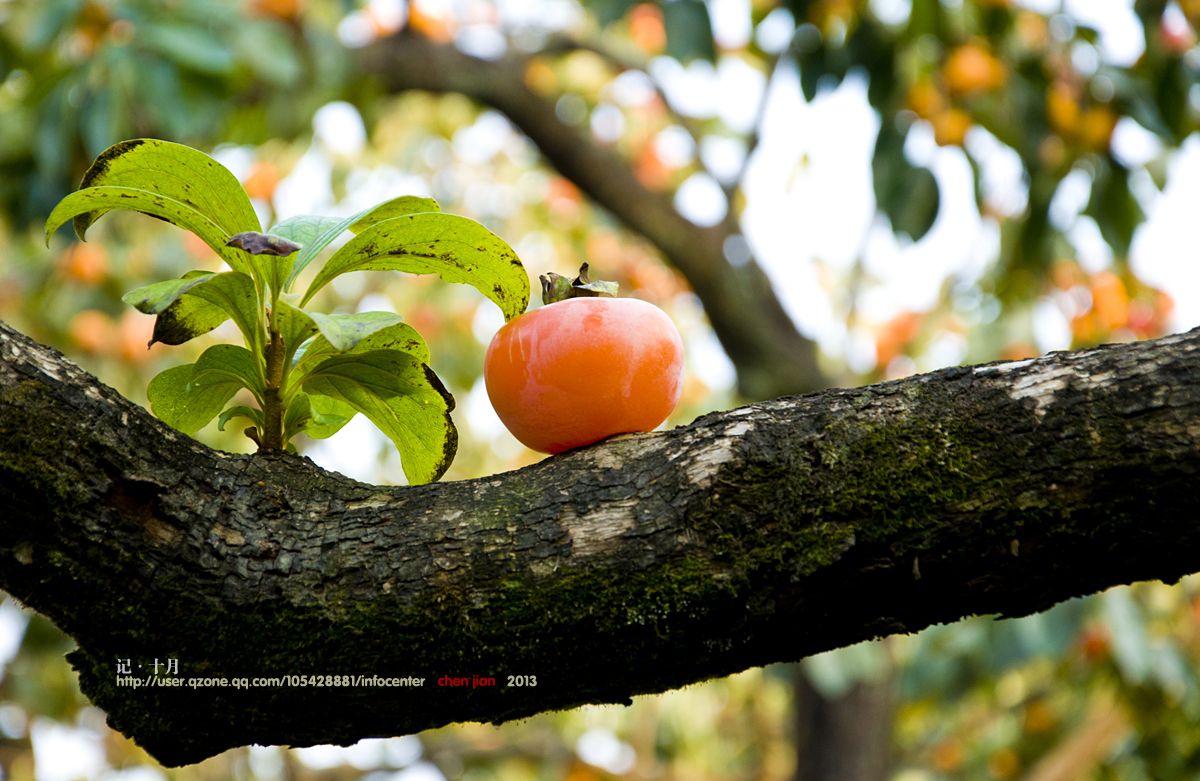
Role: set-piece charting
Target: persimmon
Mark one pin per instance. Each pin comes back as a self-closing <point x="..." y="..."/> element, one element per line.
<point x="584" y="367"/>
<point x="281" y="9"/>
<point x="950" y="127"/>
<point x="1004" y="764"/>
<point x="91" y="330"/>
<point x="263" y="179"/>
<point x="1095" y="642"/>
<point x="1096" y="128"/>
<point x="646" y="28"/>
<point x="1039" y="718"/>
<point x="971" y="69"/>
<point x="1062" y="108"/>
<point x="926" y="100"/>
<point x="84" y="263"/>
<point x="1110" y="300"/>
<point x="948" y="756"/>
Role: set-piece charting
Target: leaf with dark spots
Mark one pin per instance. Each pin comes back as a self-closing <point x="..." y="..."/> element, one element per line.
<point x="155" y="298"/>
<point x="187" y="318"/>
<point x="235" y="293"/>
<point x="95" y="201"/>
<point x="397" y="207"/>
<point x="344" y="332"/>
<point x="396" y="336"/>
<point x="316" y="233"/>
<point x="436" y="382"/>
<point x="162" y="169"/>
<point x="263" y="244"/>
<point x="400" y="395"/>
<point x="455" y="248"/>
<point x="100" y="166"/>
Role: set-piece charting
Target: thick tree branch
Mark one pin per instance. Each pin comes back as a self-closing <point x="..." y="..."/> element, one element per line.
<point x="771" y="357"/>
<point x="637" y="565"/>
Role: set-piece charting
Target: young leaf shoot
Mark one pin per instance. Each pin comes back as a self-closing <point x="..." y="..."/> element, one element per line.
<point x="308" y="372"/>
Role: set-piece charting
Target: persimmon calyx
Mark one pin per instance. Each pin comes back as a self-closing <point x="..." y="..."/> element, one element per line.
<point x="556" y="287"/>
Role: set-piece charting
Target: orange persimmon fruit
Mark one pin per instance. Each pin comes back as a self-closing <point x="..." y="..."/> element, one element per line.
<point x="583" y="368"/>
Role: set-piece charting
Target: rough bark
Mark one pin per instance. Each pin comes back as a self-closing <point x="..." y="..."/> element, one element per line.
<point x="771" y="357"/>
<point x="637" y="565"/>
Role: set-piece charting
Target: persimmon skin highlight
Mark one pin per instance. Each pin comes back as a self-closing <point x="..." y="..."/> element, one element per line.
<point x="577" y="371"/>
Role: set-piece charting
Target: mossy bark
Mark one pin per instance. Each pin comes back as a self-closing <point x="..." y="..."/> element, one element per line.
<point x="637" y="565"/>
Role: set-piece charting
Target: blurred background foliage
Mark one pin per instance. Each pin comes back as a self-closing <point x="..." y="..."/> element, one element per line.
<point x="1075" y="132"/>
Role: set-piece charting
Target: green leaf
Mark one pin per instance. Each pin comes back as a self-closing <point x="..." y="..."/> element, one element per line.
<point x="295" y="327"/>
<point x="192" y="47"/>
<point x="235" y="293"/>
<point x="307" y="230"/>
<point x="689" y="30"/>
<point x="343" y="332"/>
<point x="907" y="194"/>
<point x="186" y="319"/>
<point x="400" y="395"/>
<point x="230" y="363"/>
<point x="1113" y="206"/>
<point x="458" y="249"/>
<point x="316" y="233"/>
<point x="818" y="64"/>
<point x="89" y="203"/>
<point x="609" y="11"/>
<point x="102" y="119"/>
<point x="152" y="299"/>
<point x="397" y="207"/>
<point x="304" y="229"/>
<point x="298" y="413"/>
<point x="185" y="405"/>
<point x="241" y="410"/>
<point x="180" y="317"/>
<point x="399" y="336"/>
<point x="318" y="416"/>
<point x="177" y="172"/>
<point x="328" y="416"/>
<point x="870" y="46"/>
<point x="269" y="49"/>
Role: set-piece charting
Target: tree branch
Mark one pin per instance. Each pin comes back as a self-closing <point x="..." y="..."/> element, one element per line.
<point x="637" y="565"/>
<point x="561" y="44"/>
<point x="771" y="357"/>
